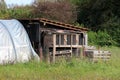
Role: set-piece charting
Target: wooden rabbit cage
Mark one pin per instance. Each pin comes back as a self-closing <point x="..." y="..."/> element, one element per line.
<point x="51" y="39"/>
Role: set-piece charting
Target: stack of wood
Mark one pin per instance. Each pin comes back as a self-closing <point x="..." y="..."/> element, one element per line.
<point x="97" y="55"/>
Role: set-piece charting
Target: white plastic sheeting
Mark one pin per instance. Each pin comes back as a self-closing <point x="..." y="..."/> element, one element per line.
<point x="15" y="45"/>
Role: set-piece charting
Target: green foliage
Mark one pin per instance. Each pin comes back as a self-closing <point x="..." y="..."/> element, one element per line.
<point x="103" y="39"/>
<point x="21" y="12"/>
<point x="92" y="38"/>
<point x="2" y="5"/>
<point x="16" y="12"/>
<point x="112" y="26"/>
<point x="4" y="14"/>
<point x="100" y="38"/>
<point x="103" y="15"/>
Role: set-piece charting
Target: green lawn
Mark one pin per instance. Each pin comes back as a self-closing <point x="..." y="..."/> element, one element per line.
<point x="72" y="70"/>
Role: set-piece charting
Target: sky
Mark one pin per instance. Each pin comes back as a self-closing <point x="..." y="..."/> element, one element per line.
<point x="18" y="2"/>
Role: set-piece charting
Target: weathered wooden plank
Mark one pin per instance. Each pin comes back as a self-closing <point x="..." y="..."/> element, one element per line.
<point x="65" y="40"/>
<point x="63" y="52"/>
<point x="96" y="55"/>
<point x="71" y="44"/>
<point x="77" y="44"/>
<point x="54" y="46"/>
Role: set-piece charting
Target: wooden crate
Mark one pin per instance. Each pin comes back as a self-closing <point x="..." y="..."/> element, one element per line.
<point x="96" y="55"/>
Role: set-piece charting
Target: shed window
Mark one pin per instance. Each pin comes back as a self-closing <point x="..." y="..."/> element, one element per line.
<point x="74" y="40"/>
<point x="57" y="39"/>
<point x="62" y="39"/>
<point x="68" y="39"/>
<point x="81" y="39"/>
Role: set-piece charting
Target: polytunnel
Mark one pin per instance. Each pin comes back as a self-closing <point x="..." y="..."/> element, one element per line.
<point x="15" y="45"/>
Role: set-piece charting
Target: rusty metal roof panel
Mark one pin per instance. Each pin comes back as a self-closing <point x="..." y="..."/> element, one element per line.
<point x="62" y="24"/>
<point x="56" y="23"/>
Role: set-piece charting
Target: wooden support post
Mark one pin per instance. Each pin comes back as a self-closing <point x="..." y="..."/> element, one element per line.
<point x="40" y="53"/>
<point x="71" y="44"/>
<point x="86" y="39"/>
<point x="77" y="43"/>
<point x="54" y="46"/>
<point x="65" y="39"/>
<point x="47" y="54"/>
<point x="83" y="40"/>
<point x="81" y="52"/>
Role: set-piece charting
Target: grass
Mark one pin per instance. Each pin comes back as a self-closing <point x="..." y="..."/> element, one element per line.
<point x="73" y="70"/>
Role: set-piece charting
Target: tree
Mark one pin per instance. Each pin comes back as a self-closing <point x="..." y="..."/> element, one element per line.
<point x="3" y="9"/>
<point x="20" y="12"/>
<point x="3" y="4"/>
<point x="103" y="15"/>
<point x="62" y="11"/>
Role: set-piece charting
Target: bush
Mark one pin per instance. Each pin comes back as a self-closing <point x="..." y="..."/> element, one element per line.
<point x="103" y="39"/>
<point x="63" y="11"/>
<point x="100" y="38"/>
<point x="112" y="27"/>
<point x="92" y="38"/>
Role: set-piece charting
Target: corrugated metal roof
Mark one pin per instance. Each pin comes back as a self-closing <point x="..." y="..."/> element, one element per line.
<point x="56" y="23"/>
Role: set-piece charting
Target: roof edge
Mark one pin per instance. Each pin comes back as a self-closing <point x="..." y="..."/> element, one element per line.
<point x="56" y="23"/>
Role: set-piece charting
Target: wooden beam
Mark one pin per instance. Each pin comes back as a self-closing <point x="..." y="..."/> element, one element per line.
<point x="65" y="39"/>
<point x="86" y="39"/>
<point x="81" y="52"/>
<point x="54" y="46"/>
<point x="77" y="43"/>
<point x="71" y="44"/>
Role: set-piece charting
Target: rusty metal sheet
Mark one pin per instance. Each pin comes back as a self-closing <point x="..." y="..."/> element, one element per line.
<point x="55" y="23"/>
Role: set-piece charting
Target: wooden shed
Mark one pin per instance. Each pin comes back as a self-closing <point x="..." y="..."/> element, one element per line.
<point x="53" y="39"/>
